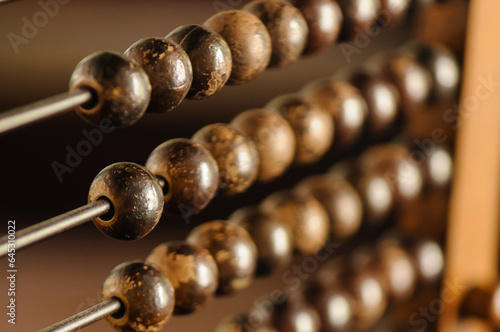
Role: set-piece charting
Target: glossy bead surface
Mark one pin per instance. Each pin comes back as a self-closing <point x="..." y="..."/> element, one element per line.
<point x="294" y="315"/>
<point x="287" y="28"/>
<point x="483" y="302"/>
<point x="146" y="295"/>
<point x="248" y="40"/>
<point x="136" y="199"/>
<point x="271" y="236"/>
<point x="312" y="125"/>
<point x="241" y="323"/>
<point x="191" y="270"/>
<point x="233" y="250"/>
<point x="376" y="193"/>
<point x="191" y="174"/>
<point x="305" y="216"/>
<point x="428" y="258"/>
<point x="324" y="20"/>
<point x="210" y="58"/>
<point x="398" y="270"/>
<point x="393" y="12"/>
<point x="236" y="156"/>
<point x="359" y="16"/>
<point x="121" y="89"/>
<point x="273" y="137"/>
<point x="437" y="167"/>
<point x="345" y="104"/>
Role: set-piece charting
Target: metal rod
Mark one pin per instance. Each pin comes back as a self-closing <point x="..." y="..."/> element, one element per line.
<point x="55" y="225"/>
<point x="24" y="115"/>
<point x="86" y="317"/>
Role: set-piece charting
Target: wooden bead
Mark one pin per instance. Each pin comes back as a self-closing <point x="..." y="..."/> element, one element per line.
<point x="120" y="88"/>
<point x="146" y="295"/>
<point x="345" y="104"/>
<point x="210" y="58"/>
<point x="234" y="252"/>
<point x="271" y="236"/>
<point x="359" y="17"/>
<point x="376" y="193"/>
<point x="305" y="216"/>
<point x="191" y="174"/>
<point x="241" y="323"/>
<point x="397" y="268"/>
<point x="295" y="315"/>
<point x="235" y="154"/>
<point x="168" y="68"/>
<point x="136" y="201"/>
<point x="248" y="40"/>
<point x="273" y="137"/>
<point x="393" y="12"/>
<point x="437" y="166"/>
<point x="340" y="200"/>
<point x="312" y="125"/>
<point x="428" y="258"/>
<point x="287" y="28"/>
<point x="191" y="270"/>
<point x="482" y="302"/>
<point x="324" y="20"/>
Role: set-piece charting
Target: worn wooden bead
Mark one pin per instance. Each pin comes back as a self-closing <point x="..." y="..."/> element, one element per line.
<point x="191" y="270"/>
<point x="359" y="17"/>
<point x="210" y="58"/>
<point x="236" y="156"/>
<point x="340" y="200"/>
<point x="273" y="137"/>
<point x="271" y="235"/>
<point x="241" y="323"/>
<point x="324" y="20"/>
<point x="146" y="295"/>
<point x="345" y="104"/>
<point x="135" y="197"/>
<point x="248" y="40"/>
<point x="305" y="216"/>
<point x="168" y="68"/>
<point x="233" y="250"/>
<point x="120" y="89"/>
<point x="312" y="125"/>
<point x="295" y="315"/>
<point x="190" y="172"/>
<point x="287" y="28"/>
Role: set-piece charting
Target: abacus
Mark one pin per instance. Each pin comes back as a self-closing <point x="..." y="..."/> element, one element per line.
<point x="355" y="226"/>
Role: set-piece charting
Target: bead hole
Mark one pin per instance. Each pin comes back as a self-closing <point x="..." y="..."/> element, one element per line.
<point x="111" y="212"/>
<point x="165" y="186"/>
<point x="119" y="314"/>
<point x="94" y="99"/>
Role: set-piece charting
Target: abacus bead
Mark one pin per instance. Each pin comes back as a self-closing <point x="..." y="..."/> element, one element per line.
<point x="168" y="68"/>
<point x="437" y="167"/>
<point x="376" y="193"/>
<point x="121" y="89"/>
<point x="305" y="216"/>
<point x="428" y="258"/>
<point x="191" y="270"/>
<point x="393" y="11"/>
<point x="241" y="323"/>
<point x="324" y="20"/>
<point x="273" y="137"/>
<point x="345" y="104"/>
<point x="483" y="302"/>
<point x="271" y="236"/>
<point x="397" y="267"/>
<point x="287" y="28"/>
<point x="359" y="16"/>
<point x="294" y="315"/>
<point x="210" y="58"/>
<point x="248" y="40"/>
<point x="233" y="250"/>
<point x="235" y="154"/>
<point x="146" y="295"/>
<point x="312" y="125"/>
<point x="136" y="199"/>
<point x="190" y="171"/>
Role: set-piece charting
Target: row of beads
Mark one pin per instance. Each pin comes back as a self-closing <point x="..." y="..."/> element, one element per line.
<point x="262" y="143"/>
<point x="232" y="47"/>
<point x="224" y="255"/>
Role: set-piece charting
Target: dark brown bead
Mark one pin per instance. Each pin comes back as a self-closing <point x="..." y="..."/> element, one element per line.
<point x="295" y="315"/>
<point x="273" y="137"/>
<point x="287" y="28"/>
<point x="359" y="17"/>
<point x="305" y="216"/>
<point x="324" y="20"/>
<point x="271" y="236"/>
<point x="241" y="323"/>
<point x="312" y="125"/>
<point x="344" y="103"/>
<point x="235" y="154"/>
<point x="136" y="199"/>
<point x="340" y="200"/>
<point x="381" y="96"/>
<point x="393" y="12"/>
<point x="482" y="302"/>
<point x="146" y="295"/>
<point x="191" y="174"/>
<point x="210" y="58"/>
<point x="168" y="68"/>
<point x="191" y="270"/>
<point x="233" y="249"/>
<point x="120" y="88"/>
<point x="248" y="40"/>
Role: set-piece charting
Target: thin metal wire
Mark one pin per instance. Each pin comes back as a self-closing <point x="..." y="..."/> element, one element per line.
<point x="55" y="225"/>
<point x="86" y="317"/>
<point x="24" y="115"/>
